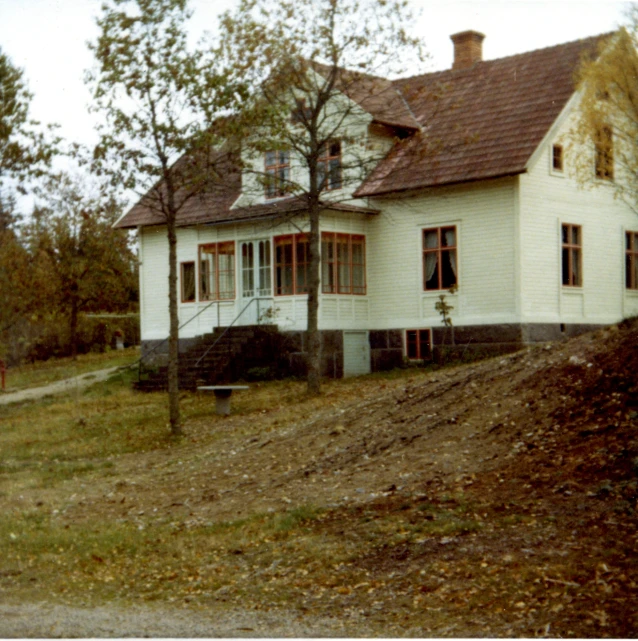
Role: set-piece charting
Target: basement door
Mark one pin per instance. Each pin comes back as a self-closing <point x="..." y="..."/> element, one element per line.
<point x="356" y="353"/>
<point x="256" y="280"/>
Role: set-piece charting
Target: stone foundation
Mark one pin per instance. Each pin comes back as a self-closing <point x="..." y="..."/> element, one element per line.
<point x="468" y="342"/>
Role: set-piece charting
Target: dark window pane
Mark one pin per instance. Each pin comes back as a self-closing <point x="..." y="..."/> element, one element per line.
<point x="566" y="267"/>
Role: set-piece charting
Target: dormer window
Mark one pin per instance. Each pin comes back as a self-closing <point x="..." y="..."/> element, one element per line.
<point x="604" y="154"/>
<point x="301" y="113"/>
<point x="329" y="166"/>
<point x="557" y="158"/>
<point x="277" y="174"/>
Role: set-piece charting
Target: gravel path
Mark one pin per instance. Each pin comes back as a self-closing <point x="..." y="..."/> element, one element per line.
<point x="59" y="387"/>
<point x="46" y="621"/>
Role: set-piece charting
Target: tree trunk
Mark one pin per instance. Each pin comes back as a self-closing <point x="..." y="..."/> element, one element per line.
<point x="173" y="337"/>
<point x="313" y="348"/>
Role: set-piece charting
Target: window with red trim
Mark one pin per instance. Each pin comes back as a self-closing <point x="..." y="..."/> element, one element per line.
<point x="439" y="258"/>
<point x="417" y="344"/>
<point x="217" y="271"/>
<point x="631" y="260"/>
<point x="343" y="264"/>
<point x="572" y="256"/>
<point x="277" y="173"/>
<point x="292" y="258"/>
<point x="557" y="157"/>
<point x="329" y="166"/>
<point x="187" y="278"/>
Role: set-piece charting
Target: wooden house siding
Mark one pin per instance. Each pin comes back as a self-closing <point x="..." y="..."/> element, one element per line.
<point x="484" y="217"/>
<point x="548" y="200"/>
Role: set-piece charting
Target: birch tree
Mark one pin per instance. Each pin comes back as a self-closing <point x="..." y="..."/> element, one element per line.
<point x="161" y="102"/>
<point x="608" y="117"/>
<point x="302" y="58"/>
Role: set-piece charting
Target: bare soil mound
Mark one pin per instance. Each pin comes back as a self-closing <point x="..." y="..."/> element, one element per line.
<point x="497" y="498"/>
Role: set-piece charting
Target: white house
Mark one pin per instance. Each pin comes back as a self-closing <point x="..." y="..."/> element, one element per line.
<point x="476" y="192"/>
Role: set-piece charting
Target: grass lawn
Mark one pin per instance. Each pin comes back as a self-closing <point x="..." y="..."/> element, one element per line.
<point x="401" y="503"/>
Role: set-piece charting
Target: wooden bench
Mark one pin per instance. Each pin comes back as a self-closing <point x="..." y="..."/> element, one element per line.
<point x="222" y="396"/>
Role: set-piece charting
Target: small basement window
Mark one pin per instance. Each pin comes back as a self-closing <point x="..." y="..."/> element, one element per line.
<point x="418" y="344"/>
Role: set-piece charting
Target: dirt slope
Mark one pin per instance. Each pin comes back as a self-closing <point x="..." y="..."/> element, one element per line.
<point x="537" y="450"/>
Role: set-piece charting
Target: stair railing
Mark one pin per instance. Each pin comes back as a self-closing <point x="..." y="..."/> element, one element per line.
<point x="227" y="329"/>
<point x="140" y="362"/>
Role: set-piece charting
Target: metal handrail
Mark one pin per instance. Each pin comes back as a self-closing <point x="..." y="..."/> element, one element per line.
<point x="250" y="302"/>
<point x="192" y="318"/>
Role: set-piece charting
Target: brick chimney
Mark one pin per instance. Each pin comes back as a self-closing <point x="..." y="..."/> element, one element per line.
<point x="468" y="49"/>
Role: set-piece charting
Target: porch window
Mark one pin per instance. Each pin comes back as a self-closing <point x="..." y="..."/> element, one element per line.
<point x="631" y="260"/>
<point x="343" y="264"/>
<point x="439" y="258"/>
<point x="277" y="173"/>
<point x="417" y="344"/>
<point x="187" y="278"/>
<point x="217" y="271"/>
<point x="329" y="166"/>
<point x="292" y="260"/>
<point x="572" y="256"/>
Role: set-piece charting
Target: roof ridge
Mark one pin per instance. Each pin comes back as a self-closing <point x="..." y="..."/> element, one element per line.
<point x="593" y="39"/>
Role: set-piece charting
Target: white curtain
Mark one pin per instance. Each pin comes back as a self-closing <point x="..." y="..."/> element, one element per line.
<point x="431" y="242"/>
<point x="450" y="241"/>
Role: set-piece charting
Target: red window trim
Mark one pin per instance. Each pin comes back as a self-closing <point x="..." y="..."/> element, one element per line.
<point x="574" y="279"/>
<point x="324" y="159"/>
<point x="439" y="250"/>
<point x="183" y="281"/>
<point x="296" y="240"/>
<point x="215" y="295"/>
<point x="336" y="287"/>
<point x="276" y="187"/>
<point x="418" y="343"/>
<point x="558" y="158"/>
<point x="631" y="260"/>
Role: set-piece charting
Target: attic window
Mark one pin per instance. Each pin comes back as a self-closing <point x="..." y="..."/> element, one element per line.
<point x="329" y="166"/>
<point x="604" y="154"/>
<point x="277" y="173"/>
<point x="301" y="113"/>
<point x="557" y="157"/>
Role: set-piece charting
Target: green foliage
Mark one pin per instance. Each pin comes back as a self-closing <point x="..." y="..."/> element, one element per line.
<point x="609" y="102"/>
<point x="88" y="265"/>
<point x="53" y="339"/>
<point x="164" y="132"/>
<point x="300" y="58"/>
<point x="25" y="151"/>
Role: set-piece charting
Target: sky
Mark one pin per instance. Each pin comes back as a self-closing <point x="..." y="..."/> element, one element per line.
<point x="47" y="40"/>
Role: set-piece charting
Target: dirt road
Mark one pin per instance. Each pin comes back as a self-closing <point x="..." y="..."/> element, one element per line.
<point x="59" y="387"/>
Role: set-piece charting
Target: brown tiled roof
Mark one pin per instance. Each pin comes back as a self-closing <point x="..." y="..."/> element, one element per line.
<point x="378" y="96"/>
<point x="214" y="206"/>
<point x="482" y="122"/>
<point x="212" y="203"/>
<point x="468" y="124"/>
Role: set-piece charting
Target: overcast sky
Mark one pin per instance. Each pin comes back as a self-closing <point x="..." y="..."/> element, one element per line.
<point x="47" y="39"/>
